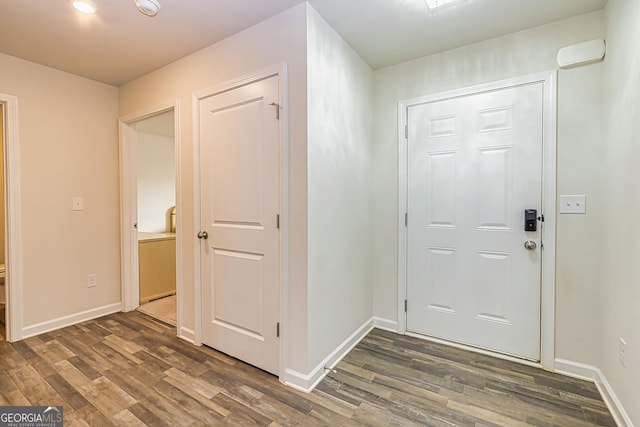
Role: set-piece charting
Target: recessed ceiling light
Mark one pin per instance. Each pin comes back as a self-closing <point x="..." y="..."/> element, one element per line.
<point x="437" y="4"/>
<point x="148" y="7"/>
<point x="84" y="7"/>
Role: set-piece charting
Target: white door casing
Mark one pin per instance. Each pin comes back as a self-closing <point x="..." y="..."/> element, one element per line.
<point x="239" y="185"/>
<point x="467" y="152"/>
<point x="13" y="245"/>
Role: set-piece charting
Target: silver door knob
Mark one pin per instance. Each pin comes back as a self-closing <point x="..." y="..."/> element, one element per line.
<point x="203" y="235"/>
<point x="530" y="244"/>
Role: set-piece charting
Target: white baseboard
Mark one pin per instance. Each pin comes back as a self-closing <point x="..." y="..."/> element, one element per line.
<point x="187" y="335"/>
<point x="307" y="382"/>
<point x="62" y="322"/>
<point x="592" y="373"/>
<point x="577" y="370"/>
<point x="612" y="401"/>
<point x="385" y="324"/>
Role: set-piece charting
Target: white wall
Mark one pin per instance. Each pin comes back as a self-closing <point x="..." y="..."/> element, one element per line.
<point x="580" y="129"/>
<point x="276" y="40"/>
<point x="340" y="87"/>
<point x="156" y="181"/>
<point x="620" y="247"/>
<point x="68" y="147"/>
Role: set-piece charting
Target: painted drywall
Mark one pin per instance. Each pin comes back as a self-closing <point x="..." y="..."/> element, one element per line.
<point x="620" y="247"/>
<point x="156" y="182"/>
<point x="281" y="39"/>
<point x="580" y="129"/>
<point x="340" y="88"/>
<point x="68" y="144"/>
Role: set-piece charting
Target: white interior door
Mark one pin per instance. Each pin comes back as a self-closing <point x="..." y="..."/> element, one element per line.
<point x="240" y="257"/>
<point x="474" y="166"/>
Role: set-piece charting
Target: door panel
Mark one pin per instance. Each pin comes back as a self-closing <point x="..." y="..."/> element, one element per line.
<point x="474" y="165"/>
<point x="244" y="271"/>
<point x="236" y="168"/>
<point x="239" y="183"/>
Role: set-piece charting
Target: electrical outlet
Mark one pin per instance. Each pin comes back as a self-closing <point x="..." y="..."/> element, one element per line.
<point x="623" y="352"/>
<point x="78" y="203"/>
<point x="92" y="280"/>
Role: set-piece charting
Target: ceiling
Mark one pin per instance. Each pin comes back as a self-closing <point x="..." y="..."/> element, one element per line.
<point x="119" y="44"/>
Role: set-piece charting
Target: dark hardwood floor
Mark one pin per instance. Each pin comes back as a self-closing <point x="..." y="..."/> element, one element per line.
<point x="127" y="369"/>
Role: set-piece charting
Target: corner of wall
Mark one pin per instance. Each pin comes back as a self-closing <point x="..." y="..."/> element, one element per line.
<point x="307" y="382"/>
<point x="611" y="399"/>
<point x="594" y="374"/>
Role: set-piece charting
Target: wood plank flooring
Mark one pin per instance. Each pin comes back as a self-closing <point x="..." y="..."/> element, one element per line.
<point x="127" y="369"/>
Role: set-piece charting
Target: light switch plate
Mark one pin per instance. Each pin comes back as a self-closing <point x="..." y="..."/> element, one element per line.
<point x="573" y="204"/>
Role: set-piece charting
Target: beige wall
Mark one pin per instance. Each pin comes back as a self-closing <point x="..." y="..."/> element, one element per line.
<point x="620" y="247"/>
<point x="580" y="130"/>
<point x="340" y="88"/>
<point x="68" y="146"/>
<point x="281" y="39"/>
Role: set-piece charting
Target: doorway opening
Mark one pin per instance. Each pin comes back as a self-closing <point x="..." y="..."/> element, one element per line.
<point x="156" y="184"/>
<point x="149" y="165"/>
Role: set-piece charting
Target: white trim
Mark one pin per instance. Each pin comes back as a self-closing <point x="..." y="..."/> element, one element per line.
<point x="285" y="295"/>
<point x="129" y="207"/>
<point x="403" y="209"/>
<point x="187" y="334"/>
<point x="13" y="224"/>
<point x="307" y="382"/>
<point x="197" y="214"/>
<point x="385" y="324"/>
<point x="595" y="375"/>
<point x="613" y="403"/>
<point x="549" y="81"/>
<point x="128" y="217"/>
<point x="548" y="235"/>
<point x="72" y="319"/>
<point x="279" y="70"/>
<point x="180" y="236"/>
<point x="577" y="370"/>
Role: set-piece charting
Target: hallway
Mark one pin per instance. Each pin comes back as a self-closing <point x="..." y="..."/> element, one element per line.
<point x="127" y="369"/>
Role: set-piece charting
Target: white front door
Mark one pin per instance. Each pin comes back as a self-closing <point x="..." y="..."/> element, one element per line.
<point x="239" y="150"/>
<point x="474" y="166"/>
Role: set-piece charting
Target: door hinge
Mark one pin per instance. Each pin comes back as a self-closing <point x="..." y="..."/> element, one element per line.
<point x="405" y="306"/>
<point x="278" y="330"/>
<point x="406" y="131"/>
<point x="277" y="110"/>
<point x="406" y="219"/>
<point x="278" y="221"/>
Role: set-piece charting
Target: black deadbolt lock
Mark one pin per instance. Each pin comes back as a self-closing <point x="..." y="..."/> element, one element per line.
<point x="530" y="220"/>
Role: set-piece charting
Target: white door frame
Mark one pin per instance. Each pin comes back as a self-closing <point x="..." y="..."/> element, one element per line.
<point x="547" y="303"/>
<point x="279" y="70"/>
<point x="13" y="225"/>
<point x="129" y="207"/>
